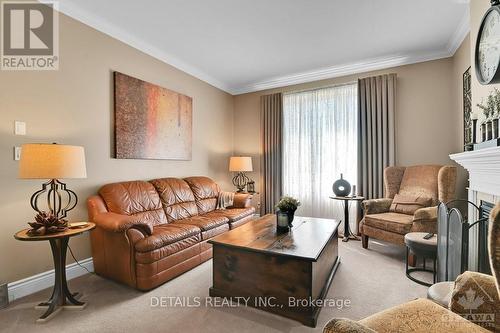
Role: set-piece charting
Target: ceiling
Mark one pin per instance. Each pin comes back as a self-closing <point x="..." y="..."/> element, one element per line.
<point x="248" y="45"/>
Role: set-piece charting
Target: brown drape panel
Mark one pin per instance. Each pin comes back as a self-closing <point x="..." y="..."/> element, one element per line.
<point x="376" y="146"/>
<point x="271" y="136"/>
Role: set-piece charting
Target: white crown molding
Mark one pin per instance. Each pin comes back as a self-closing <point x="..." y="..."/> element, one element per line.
<point x="484" y="169"/>
<point x="343" y="70"/>
<point x="45" y="280"/>
<point x="367" y="65"/>
<point x="460" y="33"/>
<point x="109" y="29"/>
<point x="364" y="66"/>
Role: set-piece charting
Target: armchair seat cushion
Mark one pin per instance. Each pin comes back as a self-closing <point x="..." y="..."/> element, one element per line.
<point x="420" y="315"/>
<point x="166" y="234"/>
<point x="393" y="222"/>
<point x="233" y="214"/>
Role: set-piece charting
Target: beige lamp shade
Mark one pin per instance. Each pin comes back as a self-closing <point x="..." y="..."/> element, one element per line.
<point x="52" y="161"/>
<point x="240" y="164"/>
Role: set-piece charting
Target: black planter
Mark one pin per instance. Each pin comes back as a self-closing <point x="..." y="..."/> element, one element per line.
<point x="282" y="221"/>
<point x="291" y="215"/>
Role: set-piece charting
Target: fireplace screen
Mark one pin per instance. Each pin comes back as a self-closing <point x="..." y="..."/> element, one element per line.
<point x="455" y="235"/>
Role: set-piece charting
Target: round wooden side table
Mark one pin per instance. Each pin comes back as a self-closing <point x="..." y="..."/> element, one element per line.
<point x="425" y="248"/>
<point x="61" y="297"/>
<point x="347" y="231"/>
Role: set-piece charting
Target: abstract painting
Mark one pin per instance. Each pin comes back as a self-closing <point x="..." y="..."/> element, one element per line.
<point x="151" y="122"/>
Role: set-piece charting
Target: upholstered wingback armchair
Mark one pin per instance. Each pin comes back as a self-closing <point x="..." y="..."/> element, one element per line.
<point x="410" y="204"/>
<point x="474" y="305"/>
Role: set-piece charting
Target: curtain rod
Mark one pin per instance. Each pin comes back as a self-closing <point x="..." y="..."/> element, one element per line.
<point x="320" y="88"/>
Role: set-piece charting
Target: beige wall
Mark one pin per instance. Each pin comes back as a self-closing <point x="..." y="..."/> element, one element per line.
<point x="461" y="61"/>
<point x="426" y="112"/>
<point x="74" y="106"/>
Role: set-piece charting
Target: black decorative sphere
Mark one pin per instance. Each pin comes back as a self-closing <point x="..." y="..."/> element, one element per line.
<point x="341" y="187"/>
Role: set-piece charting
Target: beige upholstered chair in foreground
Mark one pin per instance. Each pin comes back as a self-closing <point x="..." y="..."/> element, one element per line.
<point x="474" y="305"/>
<point x="410" y="204"/>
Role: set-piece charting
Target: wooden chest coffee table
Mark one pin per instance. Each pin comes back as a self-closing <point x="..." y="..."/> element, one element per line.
<point x="281" y="273"/>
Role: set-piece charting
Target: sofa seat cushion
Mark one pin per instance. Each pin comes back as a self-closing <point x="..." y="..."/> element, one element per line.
<point x="205" y="235"/>
<point x="210" y="226"/>
<point x="205" y="223"/>
<point x="189" y="245"/>
<point x="393" y="222"/>
<point x="420" y="315"/>
<point x="167" y="234"/>
<point x="232" y="214"/>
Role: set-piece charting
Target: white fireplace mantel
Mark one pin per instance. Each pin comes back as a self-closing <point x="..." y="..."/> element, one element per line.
<point x="484" y="169"/>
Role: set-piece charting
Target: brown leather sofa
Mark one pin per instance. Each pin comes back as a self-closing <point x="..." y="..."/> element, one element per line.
<point x="149" y="232"/>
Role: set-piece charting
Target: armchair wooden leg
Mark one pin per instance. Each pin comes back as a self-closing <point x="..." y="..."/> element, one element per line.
<point x="364" y="241"/>
<point x="412" y="260"/>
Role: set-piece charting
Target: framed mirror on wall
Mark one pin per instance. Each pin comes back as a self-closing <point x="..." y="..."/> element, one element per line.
<point x="467" y="109"/>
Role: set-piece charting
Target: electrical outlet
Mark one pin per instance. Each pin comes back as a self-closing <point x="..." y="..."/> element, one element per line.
<point x="19" y="128"/>
<point x="17" y="153"/>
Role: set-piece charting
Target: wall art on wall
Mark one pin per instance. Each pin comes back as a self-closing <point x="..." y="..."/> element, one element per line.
<point x="467" y="102"/>
<point x="151" y="122"/>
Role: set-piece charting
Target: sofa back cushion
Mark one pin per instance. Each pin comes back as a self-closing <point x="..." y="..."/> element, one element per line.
<point x="421" y="181"/>
<point x="176" y="197"/>
<point x="138" y="198"/>
<point x="205" y="191"/>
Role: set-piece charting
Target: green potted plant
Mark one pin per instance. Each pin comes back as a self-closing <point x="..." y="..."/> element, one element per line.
<point x="286" y="207"/>
<point x="496" y="114"/>
<point x="491" y="111"/>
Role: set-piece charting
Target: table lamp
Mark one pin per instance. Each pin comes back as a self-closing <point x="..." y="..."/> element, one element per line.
<point x="240" y="164"/>
<point x="53" y="162"/>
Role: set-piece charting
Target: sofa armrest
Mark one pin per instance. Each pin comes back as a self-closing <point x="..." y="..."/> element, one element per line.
<point x="377" y="206"/>
<point x="119" y="223"/>
<point x="241" y="200"/>
<point x="475" y="293"/>
<point x="425" y="220"/>
<point x="343" y="325"/>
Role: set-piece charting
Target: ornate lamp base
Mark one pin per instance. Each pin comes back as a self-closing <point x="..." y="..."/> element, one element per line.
<point x="240" y="181"/>
<point x="54" y="189"/>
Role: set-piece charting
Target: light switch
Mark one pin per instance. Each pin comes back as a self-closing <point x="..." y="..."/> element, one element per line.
<point x="19" y="128"/>
<point x="17" y="153"/>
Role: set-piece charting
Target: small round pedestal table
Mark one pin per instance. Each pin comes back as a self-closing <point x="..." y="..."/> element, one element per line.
<point x="61" y="297"/>
<point x="425" y="248"/>
<point x="347" y="231"/>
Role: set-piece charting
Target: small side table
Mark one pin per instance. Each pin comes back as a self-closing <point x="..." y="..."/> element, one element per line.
<point x="347" y="231"/>
<point x="425" y="248"/>
<point x="61" y="297"/>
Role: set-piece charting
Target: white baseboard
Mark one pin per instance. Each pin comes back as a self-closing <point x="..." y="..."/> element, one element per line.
<point x="32" y="284"/>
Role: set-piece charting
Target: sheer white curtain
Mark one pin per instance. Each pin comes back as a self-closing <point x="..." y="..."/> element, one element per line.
<point x="320" y="143"/>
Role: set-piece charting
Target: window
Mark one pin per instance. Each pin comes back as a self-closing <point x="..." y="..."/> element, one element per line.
<point x="319" y="143"/>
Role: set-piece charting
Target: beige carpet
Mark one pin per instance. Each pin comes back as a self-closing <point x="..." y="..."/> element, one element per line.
<point x="371" y="279"/>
